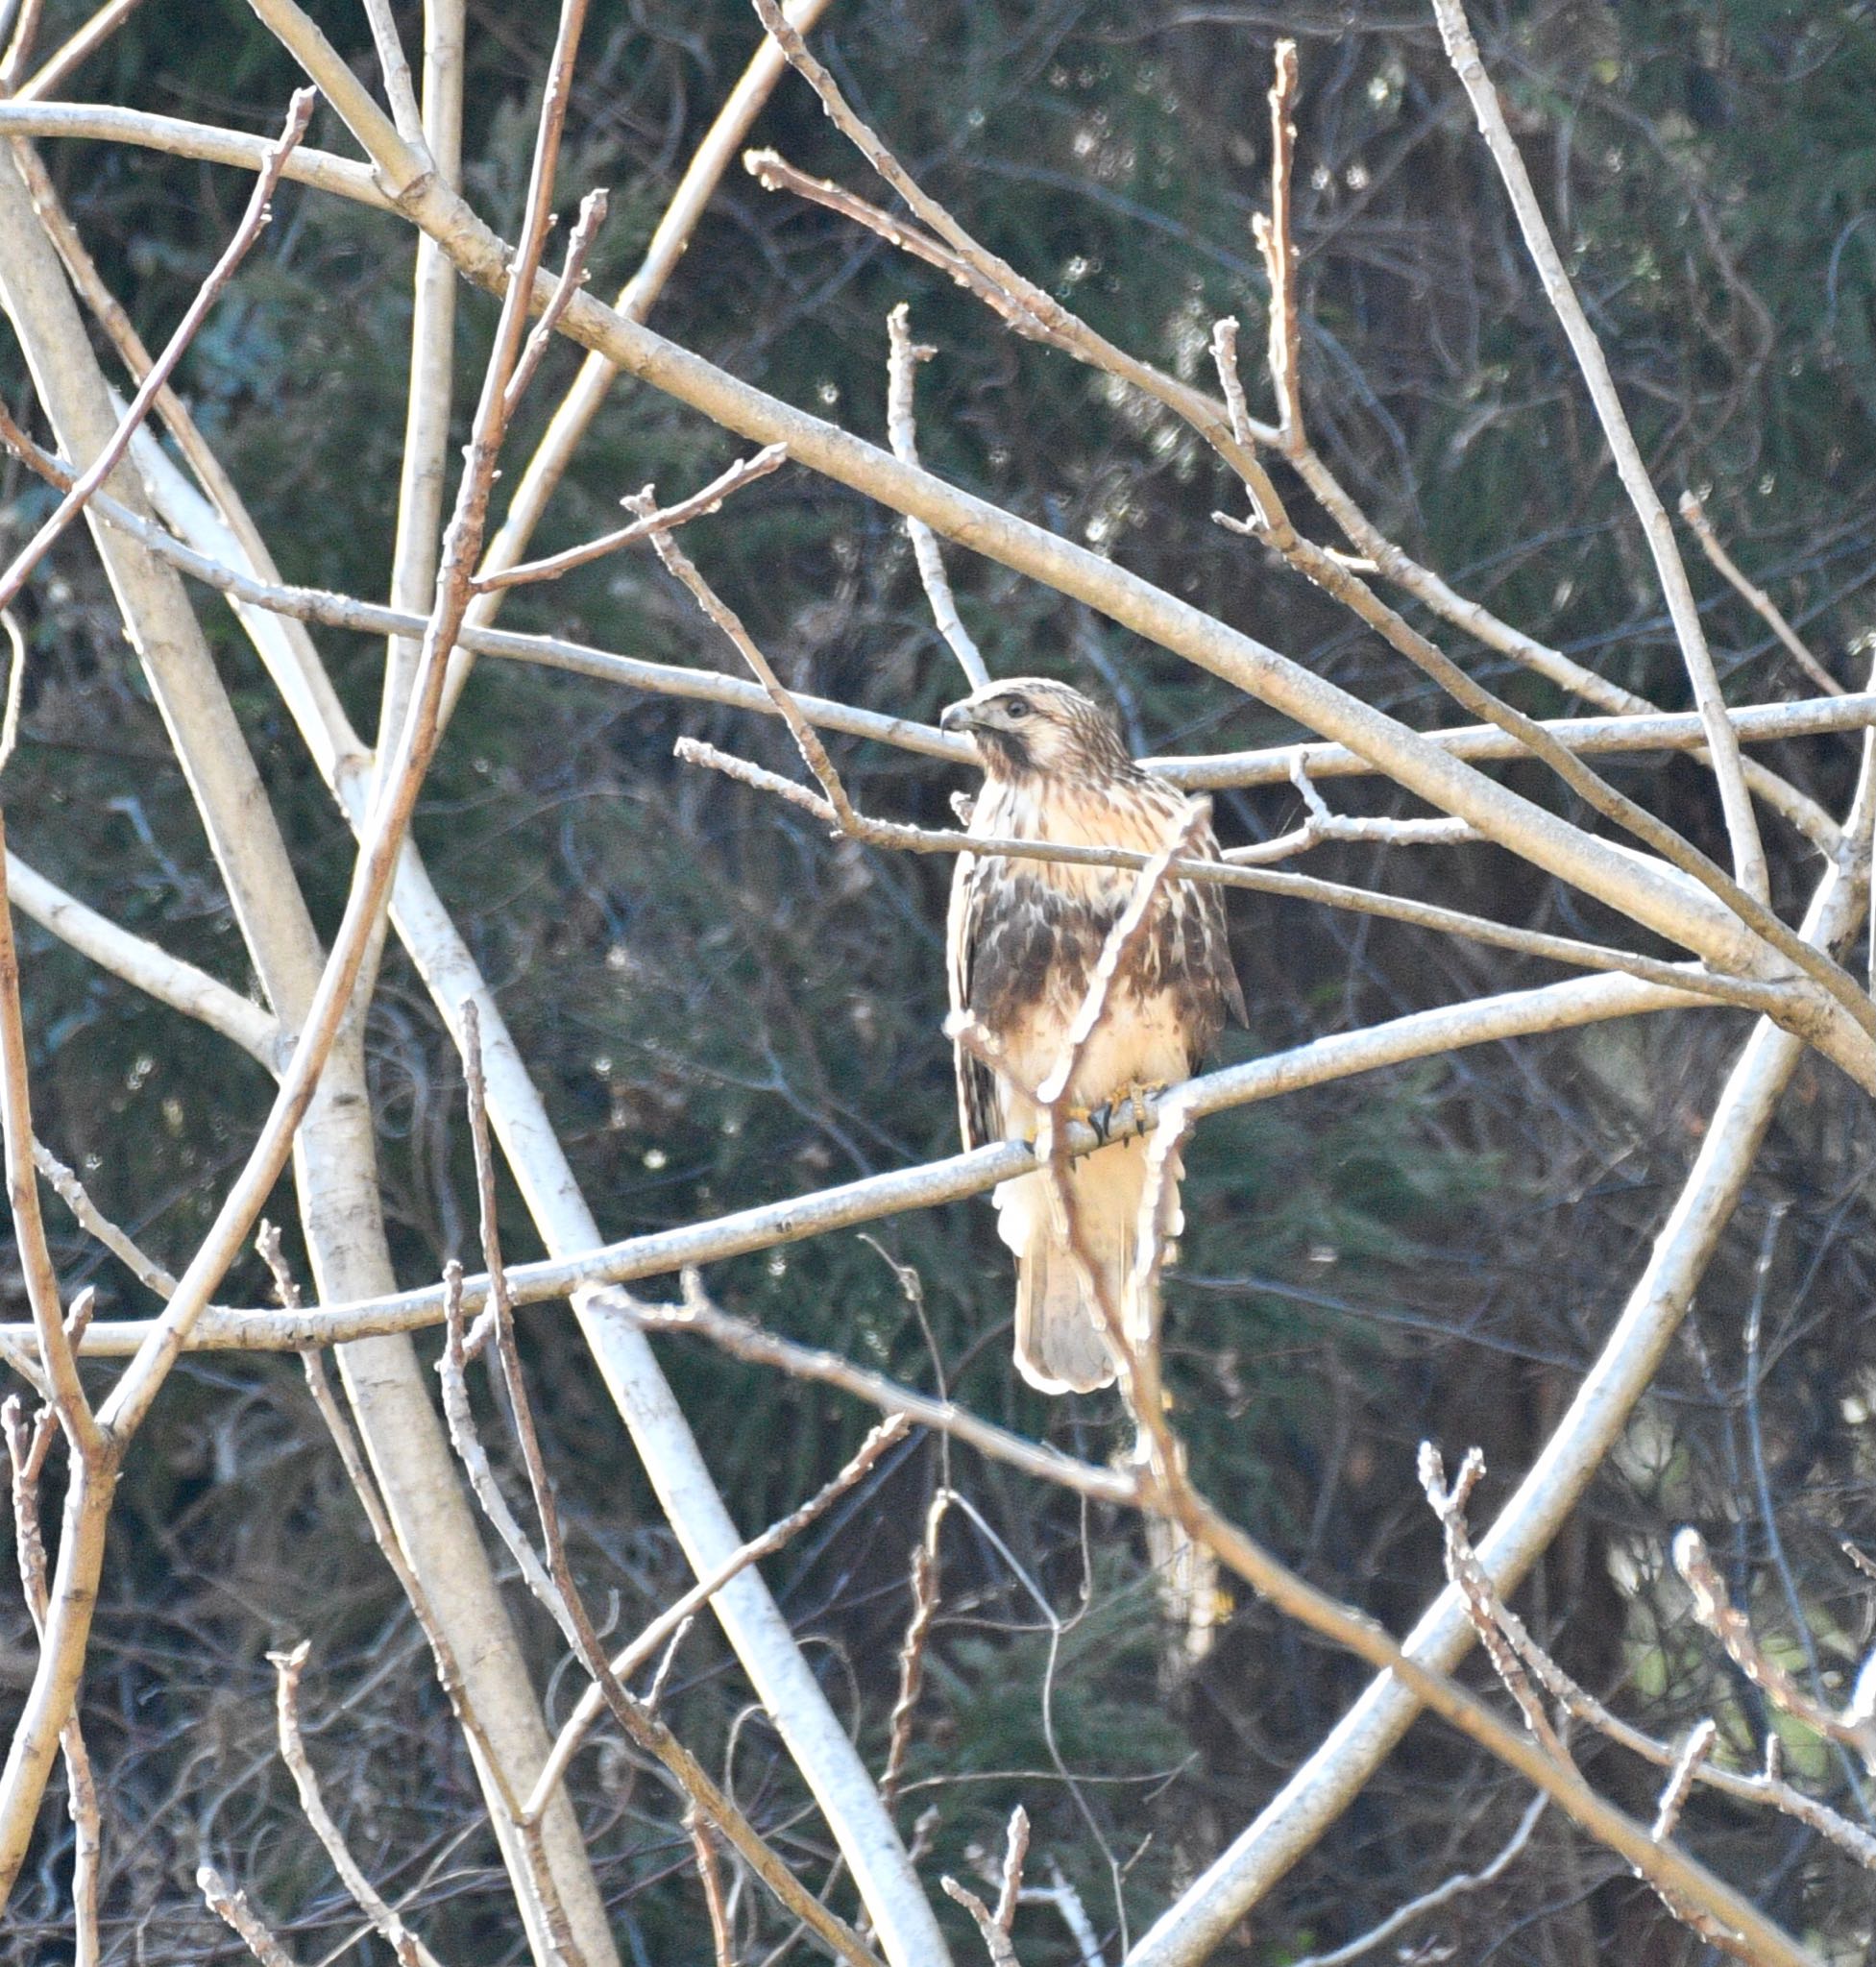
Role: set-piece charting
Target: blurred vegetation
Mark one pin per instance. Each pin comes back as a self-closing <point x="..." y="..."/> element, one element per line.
<point x="721" y="1007"/>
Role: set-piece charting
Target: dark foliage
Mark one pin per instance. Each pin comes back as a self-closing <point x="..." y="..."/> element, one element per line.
<point x="721" y="1006"/>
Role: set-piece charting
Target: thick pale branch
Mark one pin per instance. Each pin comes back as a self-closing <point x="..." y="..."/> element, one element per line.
<point x="1421" y="1035"/>
<point x="168" y="979"/>
<point x="1329" y="1779"/>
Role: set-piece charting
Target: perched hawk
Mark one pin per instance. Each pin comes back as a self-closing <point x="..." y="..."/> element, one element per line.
<point x="1023" y="939"/>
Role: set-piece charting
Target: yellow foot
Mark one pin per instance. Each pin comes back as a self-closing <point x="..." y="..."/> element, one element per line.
<point x="1134" y="1100"/>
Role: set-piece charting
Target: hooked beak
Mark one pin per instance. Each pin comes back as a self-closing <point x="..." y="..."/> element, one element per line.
<point x="957" y="718"/>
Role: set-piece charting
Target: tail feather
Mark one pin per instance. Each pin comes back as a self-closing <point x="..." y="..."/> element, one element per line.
<point x="1061" y="1342"/>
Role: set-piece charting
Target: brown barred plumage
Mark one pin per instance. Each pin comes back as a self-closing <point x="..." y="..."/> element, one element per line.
<point x="1023" y="939"/>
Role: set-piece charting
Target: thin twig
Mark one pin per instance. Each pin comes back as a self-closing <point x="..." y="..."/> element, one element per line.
<point x="26" y="1455"/>
<point x="1768" y="611"/>
<point x="1449" y="1505"/>
<point x="89" y="1441"/>
<point x="410" y="1949"/>
<point x="912" y="1650"/>
<point x="1766" y="1789"/>
<point x="903" y="358"/>
<point x="743" y="472"/>
<point x="676" y="1616"/>
<point x="1742" y="827"/>
<point x="573" y="276"/>
<point x="1275" y="239"/>
<point x="252" y="220"/>
<point x="1714" y="1610"/>
<point x="1229" y="872"/>
<point x="996" y="1942"/>
<point x="703" y="1845"/>
<point x="235" y="1908"/>
<point x="72" y="1192"/>
<point x="467" y="1440"/>
<point x="1454" y="1887"/>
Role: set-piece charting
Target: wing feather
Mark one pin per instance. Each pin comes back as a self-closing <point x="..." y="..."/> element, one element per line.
<point x="980" y="1106"/>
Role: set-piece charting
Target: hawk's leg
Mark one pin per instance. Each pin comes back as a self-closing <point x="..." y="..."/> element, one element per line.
<point x="1133" y="1103"/>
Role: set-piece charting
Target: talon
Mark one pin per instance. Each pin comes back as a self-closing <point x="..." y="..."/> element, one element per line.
<point x="1101" y="1120"/>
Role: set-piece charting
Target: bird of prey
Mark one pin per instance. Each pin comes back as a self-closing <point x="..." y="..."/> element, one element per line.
<point x="1022" y="942"/>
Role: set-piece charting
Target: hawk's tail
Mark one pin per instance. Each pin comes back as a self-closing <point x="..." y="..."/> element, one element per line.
<point x="1061" y="1343"/>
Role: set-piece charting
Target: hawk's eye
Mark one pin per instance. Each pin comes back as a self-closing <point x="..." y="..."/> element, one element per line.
<point x="1017" y="707"/>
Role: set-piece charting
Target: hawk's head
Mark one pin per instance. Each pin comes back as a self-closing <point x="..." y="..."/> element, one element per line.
<point x="1028" y="725"/>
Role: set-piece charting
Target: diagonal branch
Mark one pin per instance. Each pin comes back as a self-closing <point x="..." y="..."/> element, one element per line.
<point x="1748" y="855"/>
<point x="252" y="220"/>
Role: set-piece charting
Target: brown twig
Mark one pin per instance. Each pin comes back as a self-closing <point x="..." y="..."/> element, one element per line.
<point x="1274" y="240"/>
<point x="397" y="1935"/>
<point x="633" y="1715"/>
<point x="1449" y="1505"/>
<point x="677" y="1618"/>
<point x="573" y="276"/>
<point x="25" y="1454"/>
<point x="252" y="220"/>
<point x="996" y="1942"/>
<point x="703" y="1845"/>
<point x="1766" y="1789"/>
<point x="1015" y="1850"/>
<point x="1768" y="611"/>
<point x="467" y="1440"/>
<point x="234" y="1906"/>
<point x="1713" y="1606"/>
<point x="912" y="1650"/>
<point x="744" y="471"/>
<point x="72" y="1192"/>
<point x="89" y="1441"/>
<point x="903" y="358"/>
<point x="1230" y="873"/>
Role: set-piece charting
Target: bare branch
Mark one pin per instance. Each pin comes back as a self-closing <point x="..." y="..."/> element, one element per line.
<point x="902" y="427"/>
<point x="89" y="1443"/>
<point x="1762" y="603"/>
<point x="71" y="1191"/>
<point x="912" y="1652"/>
<point x="573" y="276"/>
<point x="1748" y="855"/>
<point x="1418" y="1035"/>
<point x="89" y="481"/>
<point x="678" y="1616"/>
<point x="78" y="49"/>
<point x="1230" y="871"/>
<point x="1714" y="1608"/>
<point x="235" y="1908"/>
<point x="410" y="1949"/>
<point x="743" y="472"/>
<point x="153" y="970"/>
